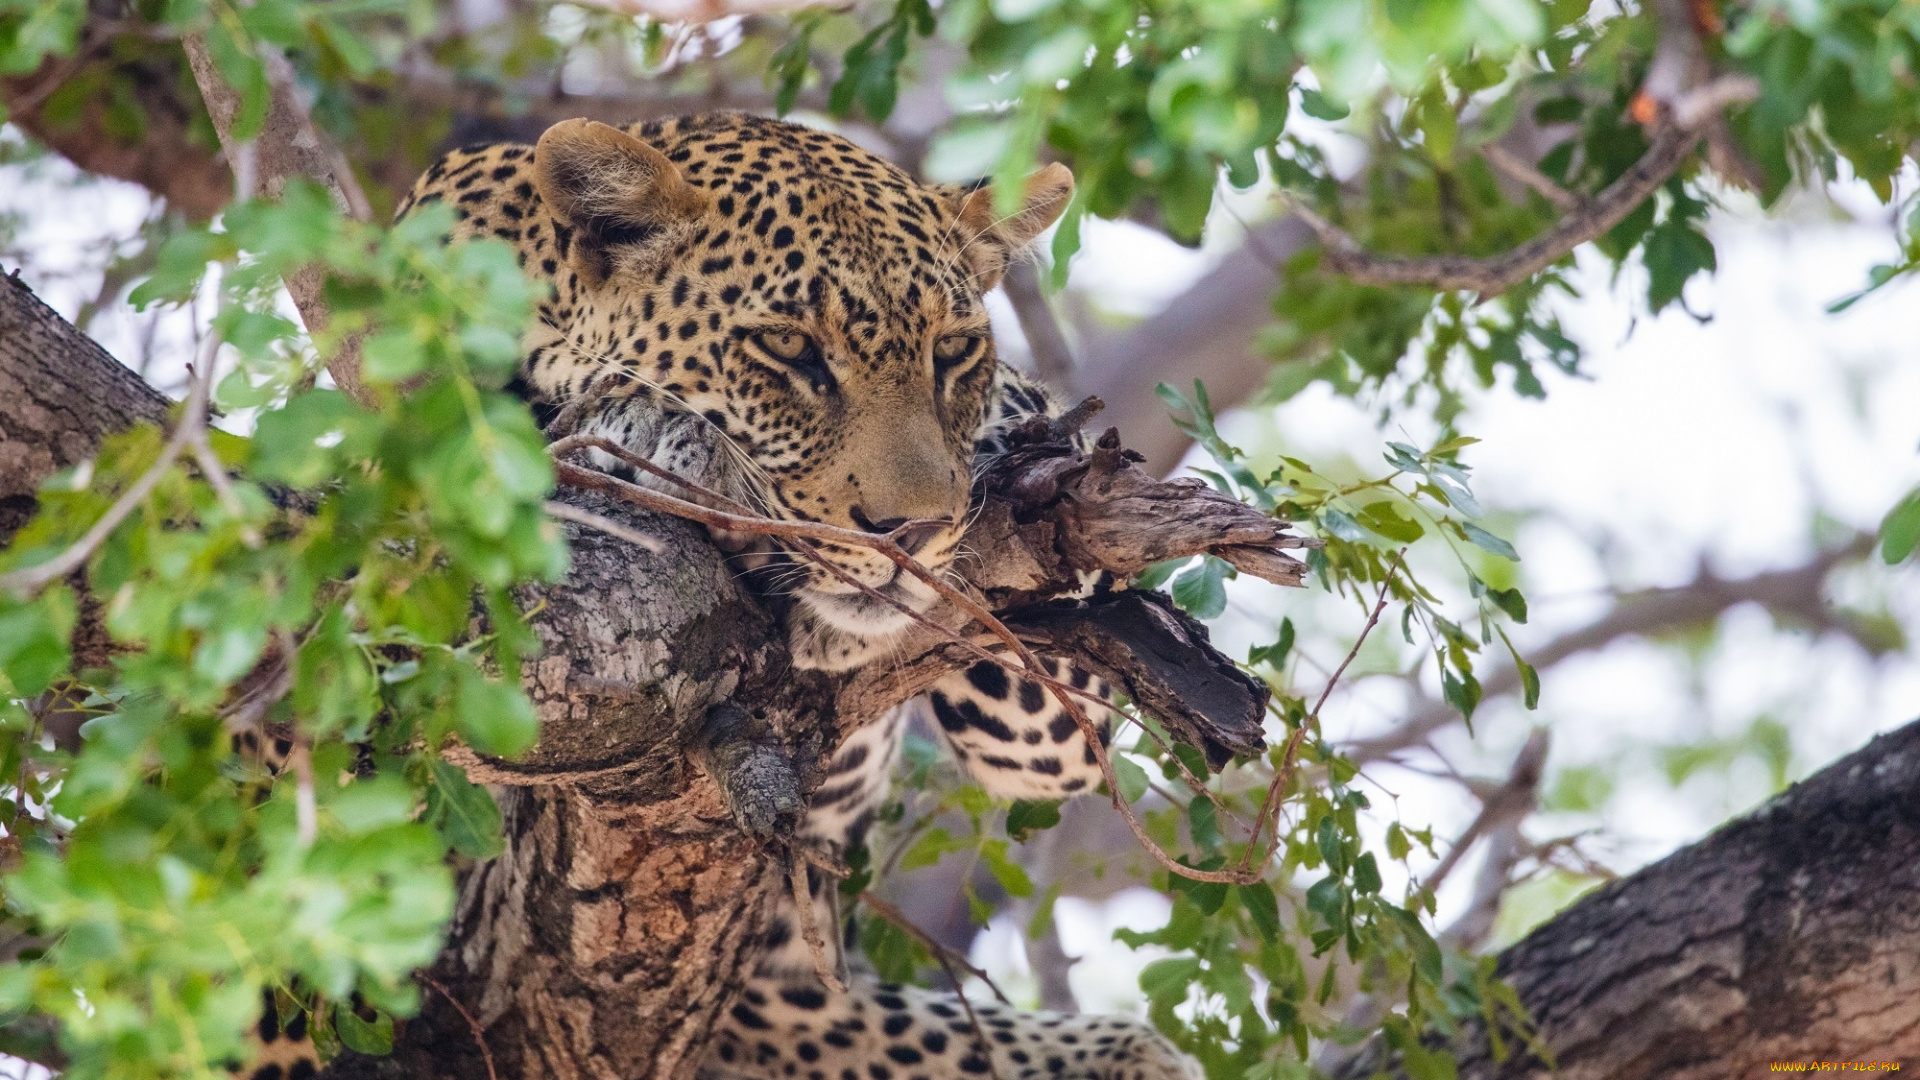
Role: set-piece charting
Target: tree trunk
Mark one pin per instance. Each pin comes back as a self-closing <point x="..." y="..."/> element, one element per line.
<point x="1790" y="935"/>
<point x="644" y="831"/>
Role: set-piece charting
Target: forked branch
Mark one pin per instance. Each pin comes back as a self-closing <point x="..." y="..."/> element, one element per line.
<point x="1677" y="110"/>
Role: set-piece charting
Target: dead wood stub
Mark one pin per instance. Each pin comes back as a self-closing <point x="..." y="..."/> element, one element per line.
<point x="1162" y="659"/>
<point x="1101" y="511"/>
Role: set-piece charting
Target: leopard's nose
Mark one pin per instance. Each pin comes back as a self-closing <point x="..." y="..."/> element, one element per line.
<point x="912" y="538"/>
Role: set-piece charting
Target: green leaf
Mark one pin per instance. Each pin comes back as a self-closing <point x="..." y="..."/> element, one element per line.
<point x="1463" y="693"/>
<point x="1366" y="874"/>
<point x="493" y="717"/>
<point x="1168" y="979"/>
<point x="373" y="1038"/>
<point x="927" y="850"/>
<point x="1042" y="922"/>
<point x="1132" y="778"/>
<point x="33" y="640"/>
<point x="1263" y="908"/>
<point x="464" y="812"/>
<point x="1204" y="822"/>
<point x="1674" y="252"/>
<point x="1385" y="518"/>
<point x="1398" y="846"/>
<point x="296" y="445"/>
<point x="1275" y="654"/>
<point x="1900" y="531"/>
<point x="1011" y="875"/>
<point x="1321" y="107"/>
<point x="1028" y="816"/>
<point x="368" y="805"/>
<point x="1529" y="678"/>
<point x="1156" y="575"/>
<point x="1489" y="542"/>
<point x="1511" y="602"/>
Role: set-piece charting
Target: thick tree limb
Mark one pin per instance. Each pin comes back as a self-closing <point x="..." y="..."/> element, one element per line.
<point x="60" y="394"/>
<point x="1791" y="934"/>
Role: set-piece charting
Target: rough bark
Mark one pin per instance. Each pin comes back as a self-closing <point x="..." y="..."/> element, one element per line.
<point x="605" y="940"/>
<point x="60" y="394"/>
<point x="1790" y="935"/>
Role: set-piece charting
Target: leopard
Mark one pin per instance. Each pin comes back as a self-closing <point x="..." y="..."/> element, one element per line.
<point x="778" y="318"/>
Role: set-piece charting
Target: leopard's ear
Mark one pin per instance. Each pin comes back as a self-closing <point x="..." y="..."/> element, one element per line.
<point x="614" y="191"/>
<point x="993" y="241"/>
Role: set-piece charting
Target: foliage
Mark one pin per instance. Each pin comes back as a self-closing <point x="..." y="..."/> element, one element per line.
<point x="330" y="605"/>
<point x="1154" y="104"/>
<point x="1252" y="967"/>
<point x="370" y="554"/>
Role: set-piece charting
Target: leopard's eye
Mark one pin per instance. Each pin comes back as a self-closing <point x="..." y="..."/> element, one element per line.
<point x="798" y="352"/>
<point x="953" y="350"/>
<point x="785" y="346"/>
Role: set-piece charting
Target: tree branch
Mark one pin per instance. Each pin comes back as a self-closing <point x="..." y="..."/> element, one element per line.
<point x="1501" y="814"/>
<point x="288" y="146"/>
<point x="1787" y="935"/>
<point x="1796" y="593"/>
<point x="1052" y="356"/>
<point x="1494" y="275"/>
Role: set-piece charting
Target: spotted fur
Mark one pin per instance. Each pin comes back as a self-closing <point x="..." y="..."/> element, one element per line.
<point x="782" y="317"/>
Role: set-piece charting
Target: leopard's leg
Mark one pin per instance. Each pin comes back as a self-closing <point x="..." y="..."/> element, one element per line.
<point x="787" y="1024"/>
<point x="1015" y="737"/>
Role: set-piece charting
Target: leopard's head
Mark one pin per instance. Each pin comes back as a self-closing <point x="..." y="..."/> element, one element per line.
<point x="818" y="307"/>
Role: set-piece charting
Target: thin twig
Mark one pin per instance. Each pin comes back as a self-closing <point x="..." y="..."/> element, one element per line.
<point x="1283" y="772"/>
<point x="479" y="1036"/>
<point x="899" y="919"/>
<point x="810" y="926"/>
<point x="601" y="523"/>
<point x="222" y="484"/>
<point x="1511" y="801"/>
<point x="1501" y="158"/>
<point x="31" y="579"/>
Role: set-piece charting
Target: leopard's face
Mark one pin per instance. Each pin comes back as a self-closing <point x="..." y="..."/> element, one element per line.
<point x="817" y="307"/>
